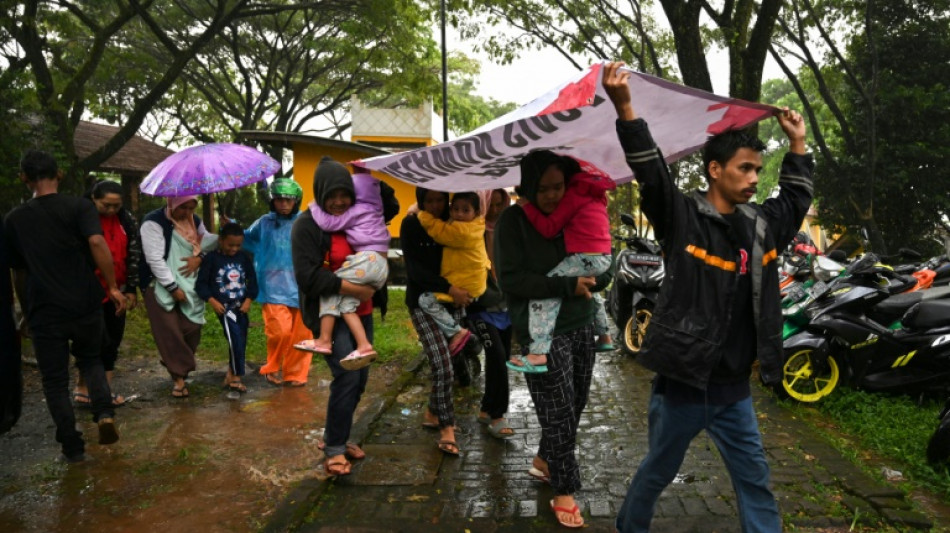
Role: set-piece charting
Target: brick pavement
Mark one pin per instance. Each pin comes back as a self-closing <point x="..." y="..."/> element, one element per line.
<point x="406" y="484"/>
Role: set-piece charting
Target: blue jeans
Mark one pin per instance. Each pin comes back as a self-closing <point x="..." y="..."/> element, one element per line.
<point x="346" y="388"/>
<point x="735" y="431"/>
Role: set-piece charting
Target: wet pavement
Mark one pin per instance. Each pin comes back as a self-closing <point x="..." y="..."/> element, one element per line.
<point x="406" y="484"/>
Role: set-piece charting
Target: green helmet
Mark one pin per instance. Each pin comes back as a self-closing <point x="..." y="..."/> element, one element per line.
<point x="285" y="188"/>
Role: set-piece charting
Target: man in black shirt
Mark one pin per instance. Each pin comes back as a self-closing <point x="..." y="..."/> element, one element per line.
<point x="719" y="306"/>
<point x="55" y="244"/>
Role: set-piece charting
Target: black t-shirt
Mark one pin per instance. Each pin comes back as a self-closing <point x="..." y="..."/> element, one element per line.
<point x="738" y="348"/>
<point x="49" y="237"/>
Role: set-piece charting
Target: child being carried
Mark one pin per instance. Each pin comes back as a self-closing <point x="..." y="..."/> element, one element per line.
<point x="464" y="262"/>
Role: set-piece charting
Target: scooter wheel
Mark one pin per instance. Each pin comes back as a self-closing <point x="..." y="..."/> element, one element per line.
<point x="636" y="330"/>
<point x="807" y="379"/>
<point x="938" y="447"/>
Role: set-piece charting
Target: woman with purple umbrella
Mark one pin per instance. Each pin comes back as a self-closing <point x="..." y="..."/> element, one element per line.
<point x="173" y="242"/>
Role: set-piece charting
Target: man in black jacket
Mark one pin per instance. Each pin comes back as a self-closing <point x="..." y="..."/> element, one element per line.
<point x="718" y="308"/>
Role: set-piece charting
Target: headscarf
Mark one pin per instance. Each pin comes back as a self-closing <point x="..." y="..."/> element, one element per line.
<point x="186" y="228"/>
<point x="486" y="201"/>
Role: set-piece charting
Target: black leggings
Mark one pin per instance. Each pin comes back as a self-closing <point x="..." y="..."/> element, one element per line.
<point x="114" y="331"/>
<point x="497" y="345"/>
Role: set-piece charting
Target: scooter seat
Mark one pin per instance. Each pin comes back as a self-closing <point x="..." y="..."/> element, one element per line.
<point x="927" y="314"/>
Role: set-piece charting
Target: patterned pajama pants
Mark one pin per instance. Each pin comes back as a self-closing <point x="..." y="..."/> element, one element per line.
<point x="362" y="268"/>
<point x="559" y="396"/>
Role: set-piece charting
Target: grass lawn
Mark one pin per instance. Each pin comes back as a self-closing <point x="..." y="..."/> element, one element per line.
<point x="875" y="428"/>
<point x="395" y="339"/>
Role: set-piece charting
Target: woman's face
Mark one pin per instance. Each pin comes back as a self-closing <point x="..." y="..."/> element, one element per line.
<point x="434" y="203"/>
<point x="109" y="204"/>
<point x="185" y="210"/>
<point x="495" y="205"/>
<point x="337" y="202"/>
<point x="550" y="190"/>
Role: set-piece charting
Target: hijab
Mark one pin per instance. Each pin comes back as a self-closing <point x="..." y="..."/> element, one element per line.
<point x="186" y="228"/>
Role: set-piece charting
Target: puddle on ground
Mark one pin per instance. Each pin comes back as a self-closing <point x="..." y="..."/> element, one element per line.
<point x="203" y="464"/>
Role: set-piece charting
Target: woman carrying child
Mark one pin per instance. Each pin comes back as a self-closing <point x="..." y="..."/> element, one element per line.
<point x="524" y="259"/>
<point x="317" y="255"/>
<point x="423" y="257"/>
<point x="366" y="232"/>
<point x="582" y="216"/>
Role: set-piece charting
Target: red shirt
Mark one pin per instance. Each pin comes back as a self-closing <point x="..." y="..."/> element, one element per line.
<point x="118" y="243"/>
<point x="339" y="249"/>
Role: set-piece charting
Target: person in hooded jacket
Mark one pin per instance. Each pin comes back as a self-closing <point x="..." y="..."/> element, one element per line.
<point x="317" y="254"/>
<point x="523" y="258"/>
<point x="268" y="238"/>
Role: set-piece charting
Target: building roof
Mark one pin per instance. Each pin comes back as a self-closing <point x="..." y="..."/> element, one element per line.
<point x="287" y="139"/>
<point x="138" y="157"/>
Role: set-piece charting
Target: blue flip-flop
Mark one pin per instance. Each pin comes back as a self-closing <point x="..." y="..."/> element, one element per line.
<point x="526" y="367"/>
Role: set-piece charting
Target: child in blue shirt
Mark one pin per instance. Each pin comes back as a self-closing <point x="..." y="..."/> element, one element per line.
<point x="226" y="280"/>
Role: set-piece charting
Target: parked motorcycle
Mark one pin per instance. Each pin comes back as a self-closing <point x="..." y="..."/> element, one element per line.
<point x="861" y="330"/>
<point x="632" y="296"/>
<point x="938" y="447"/>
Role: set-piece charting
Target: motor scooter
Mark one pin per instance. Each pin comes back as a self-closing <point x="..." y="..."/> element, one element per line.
<point x="868" y="335"/>
<point x="638" y="274"/>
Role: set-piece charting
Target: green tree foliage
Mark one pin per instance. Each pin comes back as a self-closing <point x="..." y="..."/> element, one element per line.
<point x="120" y="58"/>
<point x="605" y="29"/>
<point x="885" y="169"/>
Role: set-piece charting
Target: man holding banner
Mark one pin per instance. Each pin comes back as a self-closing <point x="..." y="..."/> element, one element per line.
<point x="719" y="304"/>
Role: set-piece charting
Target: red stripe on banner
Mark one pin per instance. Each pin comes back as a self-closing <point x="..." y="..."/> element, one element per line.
<point x="576" y="94"/>
<point x="736" y="117"/>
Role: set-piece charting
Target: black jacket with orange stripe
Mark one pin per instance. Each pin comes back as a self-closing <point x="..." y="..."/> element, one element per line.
<point x="693" y="311"/>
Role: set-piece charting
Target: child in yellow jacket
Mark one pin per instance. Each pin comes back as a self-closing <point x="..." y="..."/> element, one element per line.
<point x="464" y="261"/>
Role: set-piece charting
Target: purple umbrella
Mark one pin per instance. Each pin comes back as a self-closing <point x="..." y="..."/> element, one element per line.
<point x="208" y="168"/>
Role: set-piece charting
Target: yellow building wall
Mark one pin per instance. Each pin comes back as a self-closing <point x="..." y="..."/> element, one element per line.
<point x="307" y="156"/>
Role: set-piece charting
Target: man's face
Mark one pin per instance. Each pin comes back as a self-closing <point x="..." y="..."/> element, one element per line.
<point x="337" y="202"/>
<point x="434" y="203"/>
<point x="283" y="206"/>
<point x="230" y="244"/>
<point x="462" y="211"/>
<point x="550" y="190"/>
<point x="736" y="181"/>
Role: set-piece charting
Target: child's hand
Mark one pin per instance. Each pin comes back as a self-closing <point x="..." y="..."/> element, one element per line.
<point x="246" y="305"/>
<point x="216" y="305"/>
<point x="413" y="210"/>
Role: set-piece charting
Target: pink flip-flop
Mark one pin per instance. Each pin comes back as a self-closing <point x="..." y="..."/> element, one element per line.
<point x="357" y="359"/>
<point x="311" y="346"/>
<point x="462" y="343"/>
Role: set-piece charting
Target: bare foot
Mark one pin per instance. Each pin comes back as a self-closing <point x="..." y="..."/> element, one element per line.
<point x="566" y="511"/>
<point x="537" y="359"/>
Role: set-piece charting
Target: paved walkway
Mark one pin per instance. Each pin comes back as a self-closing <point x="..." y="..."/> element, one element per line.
<point x="406" y="484"/>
